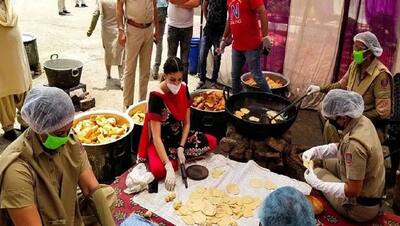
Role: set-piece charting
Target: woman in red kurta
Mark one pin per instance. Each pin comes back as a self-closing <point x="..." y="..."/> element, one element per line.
<point x="166" y="136"/>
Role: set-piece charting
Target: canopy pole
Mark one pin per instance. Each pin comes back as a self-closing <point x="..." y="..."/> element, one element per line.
<point x="201" y="36"/>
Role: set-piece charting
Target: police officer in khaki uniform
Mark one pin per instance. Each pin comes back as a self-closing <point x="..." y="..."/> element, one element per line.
<point x="137" y="37"/>
<point x="113" y="52"/>
<point x="368" y="77"/>
<point x="354" y="184"/>
<point x="15" y="76"/>
<point x="40" y="171"/>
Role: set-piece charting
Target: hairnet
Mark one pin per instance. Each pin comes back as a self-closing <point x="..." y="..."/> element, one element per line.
<point x="47" y="109"/>
<point x="340" y="102"/>
<point x="286" y="206"/>
<point x="369" y="40"/>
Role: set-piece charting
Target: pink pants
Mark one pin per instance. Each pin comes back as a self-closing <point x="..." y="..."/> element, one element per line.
<point x="156" y="166"/>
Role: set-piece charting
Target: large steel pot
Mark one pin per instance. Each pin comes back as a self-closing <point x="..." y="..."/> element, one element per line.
<point x="259" y="101"/>
<point x="212" y="122"/>
<point x="31" y="50"/>
<point x="111" y="159"/>
<point x="137" y="129"/>
<point x="282" y="91"/>
<point x="63" y="73"/>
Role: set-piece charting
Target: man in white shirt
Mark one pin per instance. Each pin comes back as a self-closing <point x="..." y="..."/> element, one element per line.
<point x="180" y="29"/>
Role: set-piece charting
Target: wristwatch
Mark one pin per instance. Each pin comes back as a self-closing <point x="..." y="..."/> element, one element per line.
<point x="121" y="29"/>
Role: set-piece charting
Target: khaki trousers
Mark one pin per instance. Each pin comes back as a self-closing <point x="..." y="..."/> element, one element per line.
<point x="8" y="106"/>
<point x="61" y="5"/>
<point x="139" y="44"/>
<point x="346" y="207"/>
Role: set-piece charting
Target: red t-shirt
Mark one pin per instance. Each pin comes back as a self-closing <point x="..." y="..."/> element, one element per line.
<point x="244" y="24"/>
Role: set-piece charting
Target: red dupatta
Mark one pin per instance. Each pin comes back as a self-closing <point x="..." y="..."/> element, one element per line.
<point x="176" y="104"/>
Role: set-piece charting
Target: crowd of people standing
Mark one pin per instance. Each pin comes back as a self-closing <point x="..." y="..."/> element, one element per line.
<point x="128" y="36"/>
<point x="128" y="30"/>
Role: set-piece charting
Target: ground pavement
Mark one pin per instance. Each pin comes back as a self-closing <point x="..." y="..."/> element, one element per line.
<point x="66" y="36"/>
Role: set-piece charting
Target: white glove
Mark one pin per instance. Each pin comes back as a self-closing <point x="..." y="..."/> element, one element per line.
<point x="335" y="189"/>
<point x="320" y="152"/>
<point x="313" y="89"/>
<point x="170" y="177"/>
<point x="181" y="155"/>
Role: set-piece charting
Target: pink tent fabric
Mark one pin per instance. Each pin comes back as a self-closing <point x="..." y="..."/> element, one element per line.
<point x="379" y="17"/>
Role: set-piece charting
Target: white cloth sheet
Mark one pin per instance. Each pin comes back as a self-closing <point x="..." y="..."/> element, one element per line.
<point x="234" y="172"/>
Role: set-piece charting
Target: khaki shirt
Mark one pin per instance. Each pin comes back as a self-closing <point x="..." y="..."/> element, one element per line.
<point x="360" y="157"/>
<point x="375" y="86"/>
<point x="140" y="11"/>
<point x="19" y="187"/>
<point x="15" y="75"/>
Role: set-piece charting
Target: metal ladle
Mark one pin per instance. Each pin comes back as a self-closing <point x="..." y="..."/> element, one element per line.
<point x="288" y="107"/>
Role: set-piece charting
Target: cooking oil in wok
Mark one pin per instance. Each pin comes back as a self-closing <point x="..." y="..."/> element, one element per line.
<point x="264" y="115"/>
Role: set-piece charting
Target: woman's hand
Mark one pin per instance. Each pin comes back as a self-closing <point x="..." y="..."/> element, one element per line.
<point x="181" y="155"/>
<point x="170" y="178"/>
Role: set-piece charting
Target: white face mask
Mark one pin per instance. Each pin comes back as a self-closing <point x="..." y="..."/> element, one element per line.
<point x="174" y="88"/>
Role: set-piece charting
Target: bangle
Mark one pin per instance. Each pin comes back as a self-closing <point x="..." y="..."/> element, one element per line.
<point x="182" y="146"/>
